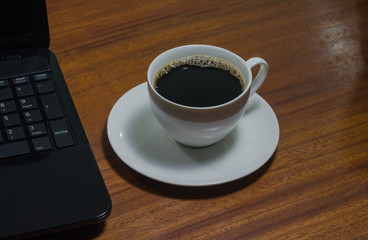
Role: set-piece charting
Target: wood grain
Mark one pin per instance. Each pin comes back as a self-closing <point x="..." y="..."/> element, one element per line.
<point x="316" y="184"/>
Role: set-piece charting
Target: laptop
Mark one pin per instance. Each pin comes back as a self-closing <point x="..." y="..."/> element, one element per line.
<point x="49" y="178"/>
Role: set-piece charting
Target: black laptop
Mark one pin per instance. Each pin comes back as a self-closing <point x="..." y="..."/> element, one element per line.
<point x="49" y="178"/>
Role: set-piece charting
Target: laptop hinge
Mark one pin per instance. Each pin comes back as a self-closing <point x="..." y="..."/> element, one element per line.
<point x="12" y="54"/>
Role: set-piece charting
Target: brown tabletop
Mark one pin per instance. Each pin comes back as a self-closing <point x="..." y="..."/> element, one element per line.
<point x="315" y="186"/>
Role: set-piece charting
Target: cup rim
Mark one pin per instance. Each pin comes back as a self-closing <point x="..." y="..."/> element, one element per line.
<point x="237" y="58"/>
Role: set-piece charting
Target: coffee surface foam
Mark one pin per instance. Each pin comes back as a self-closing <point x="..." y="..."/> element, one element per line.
<point x="201" y="61"/>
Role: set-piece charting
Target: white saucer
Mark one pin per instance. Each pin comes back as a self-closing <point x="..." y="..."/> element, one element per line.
<point x="142" y="144"/>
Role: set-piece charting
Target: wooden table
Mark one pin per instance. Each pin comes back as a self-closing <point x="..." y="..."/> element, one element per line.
<point x="316" y="184"/>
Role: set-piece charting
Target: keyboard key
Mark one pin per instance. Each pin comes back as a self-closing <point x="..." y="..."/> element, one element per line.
<point x="28" y="103"/>
<point x="37" y="129"/>
<point x="6" y="93"/>
<point x="15" y="133"/>
<point x="1" y="138"/>
<point x="7" y="107"/>
<point x="51" y="106"/>
<point x="61" y="133"/>
<point x="4" y="83"/>
<point x="41" y="76"/>
<point x="41" y="144"/>
<point x="14" y="149"/>
<point x="44" y="87"/>
<point x="20" y="80"/>
<point x="32" y="116"/>
<point x="10" y="120"/>
<point x="24" y="90"/>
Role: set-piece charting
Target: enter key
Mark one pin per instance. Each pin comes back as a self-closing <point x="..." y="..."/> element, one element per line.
<point x="61" y="133"/>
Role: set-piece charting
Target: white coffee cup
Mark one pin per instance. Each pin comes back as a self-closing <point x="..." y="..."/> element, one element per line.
<point x="203" y="126"/>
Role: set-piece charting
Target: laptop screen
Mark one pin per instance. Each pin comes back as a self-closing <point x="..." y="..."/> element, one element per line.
<point x="23" y="24"/>
<point x="16" y="19"/>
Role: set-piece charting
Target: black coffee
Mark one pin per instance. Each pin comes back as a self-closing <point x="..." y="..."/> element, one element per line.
<point x="199" y="81"/>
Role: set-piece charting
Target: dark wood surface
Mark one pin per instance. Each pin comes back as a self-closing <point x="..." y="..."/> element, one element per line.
<point x="316" y="184"/>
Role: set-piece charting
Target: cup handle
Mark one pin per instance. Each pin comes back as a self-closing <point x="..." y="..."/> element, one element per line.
<point x="261" y="75"/>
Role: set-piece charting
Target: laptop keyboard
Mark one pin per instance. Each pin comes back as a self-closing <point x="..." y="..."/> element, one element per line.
<point x="31" y="117"/>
